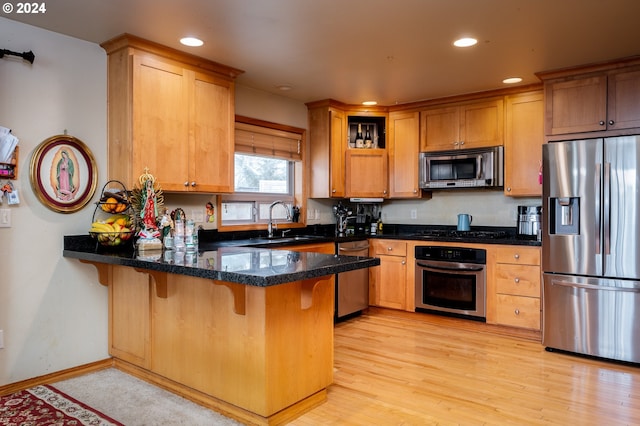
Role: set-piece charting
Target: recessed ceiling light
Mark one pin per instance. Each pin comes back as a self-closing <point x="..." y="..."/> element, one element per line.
<point x="370" y="103"/>
<point x="465" y="42"/>
<point x="284" y="87"/>
<point x="512" y="80"/>
<point x="191" y="41"/>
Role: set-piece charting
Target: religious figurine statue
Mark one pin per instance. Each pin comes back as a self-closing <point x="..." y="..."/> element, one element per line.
<point x="147" y="200"/>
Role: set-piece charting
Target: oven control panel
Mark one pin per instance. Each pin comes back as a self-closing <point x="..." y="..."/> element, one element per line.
<point x="451" y="254"/>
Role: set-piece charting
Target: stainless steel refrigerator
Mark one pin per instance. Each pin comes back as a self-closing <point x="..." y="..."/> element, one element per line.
<point x="591" y="247"/>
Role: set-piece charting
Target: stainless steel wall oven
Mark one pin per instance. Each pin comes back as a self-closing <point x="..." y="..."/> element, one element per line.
<point x="451" y="280"/>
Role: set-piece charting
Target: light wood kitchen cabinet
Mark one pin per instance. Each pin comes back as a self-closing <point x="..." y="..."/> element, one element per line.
<point x="366" y="173"/>
<point x="171" y="113"/>
<point x="517" y="283"/>
<point x="590" y="102"/>
<point x="388" y="281"/>
<point x="403" y="149"/>
<point x="327" y="145"/>
<point x="524" y="137"/>
<point x="129" y="319"/>
<point x="472" y="125"/>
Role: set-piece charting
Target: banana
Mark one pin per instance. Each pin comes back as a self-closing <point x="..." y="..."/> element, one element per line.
<point x="101" y="227"/>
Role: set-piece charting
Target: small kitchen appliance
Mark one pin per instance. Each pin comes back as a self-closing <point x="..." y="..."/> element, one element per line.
<point x="462" y="168"/>
<point x="529" y="222"/>
<point x="464" y="222"/>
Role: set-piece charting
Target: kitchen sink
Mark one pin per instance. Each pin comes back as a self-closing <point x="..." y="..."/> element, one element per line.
<point x="283" y="240"/>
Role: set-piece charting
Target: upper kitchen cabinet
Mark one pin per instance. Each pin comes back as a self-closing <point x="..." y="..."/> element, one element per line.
<point x="598" y="98"/>
<point x="403" y="149"/>
<point x="366" y="173"/>
<point x="327" y="145"/>
<point x="458" y="126"/>
<point x="524" y="136"/>
<point x="171" y="113"/>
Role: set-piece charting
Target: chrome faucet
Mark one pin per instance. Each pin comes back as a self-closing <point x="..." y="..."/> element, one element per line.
<point x="271" y="225"/>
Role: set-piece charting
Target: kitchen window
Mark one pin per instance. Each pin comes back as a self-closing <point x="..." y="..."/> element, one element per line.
<point x="268" y="167"/>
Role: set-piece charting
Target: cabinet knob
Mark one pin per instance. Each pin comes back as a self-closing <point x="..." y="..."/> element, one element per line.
<point x="611" y="122"/>
<point x="384" y="192"/>
<point x="404" y="262"/>
<point x="389" y="249"/>
<point x="455" y="143"/>
<point x="193" y="183"/>
<point x="415" y="191"/>
<point x="461" y="142"/>
<point x="333" y="191"/>
<point x="186" y="184"/>
<point x="517" y="311"/>
<point x="516" y="256"/>
<point x="601" y="122"/>
<point x="508" y="189"/>
<point x="517" y="280"/>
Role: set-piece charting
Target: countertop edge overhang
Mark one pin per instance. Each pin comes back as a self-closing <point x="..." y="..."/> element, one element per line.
<point x="299" y="265"/>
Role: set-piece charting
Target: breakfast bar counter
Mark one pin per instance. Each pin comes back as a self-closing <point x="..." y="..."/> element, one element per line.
<point x="245" y="331"/>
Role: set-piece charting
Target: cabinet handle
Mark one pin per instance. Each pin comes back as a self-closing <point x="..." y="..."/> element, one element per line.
<point x="404" y="262"/>
<point x="461" y="142"/>
<point x="611" y="122"/>
<point x="508" y="189"/>
<point x="389" y="249"/>
<point x="193" y="183"/>
<point x="455" y="143"/>
<point x="517" y="311"/>
<point x="186" y="184"/>
<point x="601" y="122"/>
<point x="333" y="191"/>
<point x="415" y="191"/>
<point x="517" y="280"/>
<point x="384" y="192"/>
<point x="516" y="256"/>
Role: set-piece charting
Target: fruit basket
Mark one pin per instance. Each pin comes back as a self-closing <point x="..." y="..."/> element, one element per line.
<point x="113" y="223"/>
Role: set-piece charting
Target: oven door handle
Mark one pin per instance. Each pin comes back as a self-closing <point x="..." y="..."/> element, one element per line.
<point x="452" y="268"/>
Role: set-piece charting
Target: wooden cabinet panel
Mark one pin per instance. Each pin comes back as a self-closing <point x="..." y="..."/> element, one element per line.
<point x="521" y="280"/>
<point x="524" y="137"/>
<point x="327" y="144"/>
<point x="473" y="125"/>
<point x="169" y="113"/>
<point x="129" y="315"/>
<point x="577" y="105"/>
<point x="388" y="281"/>
<point x="440" y="129"/>
<point x="623" y="106"/>
<point x="517" y="311"/>
<point x="404" y="141"/>
<point x="366" y="173"/>
<point x="518" y="255"/>
<point x="482" y="124"/>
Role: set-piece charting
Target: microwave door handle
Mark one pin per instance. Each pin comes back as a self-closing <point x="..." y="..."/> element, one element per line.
<point x="479" y="167"/>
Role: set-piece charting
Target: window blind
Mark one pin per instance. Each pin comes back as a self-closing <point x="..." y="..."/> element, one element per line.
<point x="250" y="139"/>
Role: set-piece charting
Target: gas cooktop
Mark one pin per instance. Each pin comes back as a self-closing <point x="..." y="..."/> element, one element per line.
<point x="455" y="234"/>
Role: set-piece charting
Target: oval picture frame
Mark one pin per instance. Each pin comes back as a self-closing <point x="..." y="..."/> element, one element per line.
<point x="63" y="173"/>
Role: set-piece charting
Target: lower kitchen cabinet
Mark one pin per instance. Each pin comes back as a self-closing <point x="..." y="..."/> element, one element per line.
<point x="517" y="284"/>
<point x="388" y="281"/>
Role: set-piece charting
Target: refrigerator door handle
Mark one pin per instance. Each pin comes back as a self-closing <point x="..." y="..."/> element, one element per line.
<point x="606" y="208"/>
<point x="593" y="286"/>
<point x="598" y="196"/>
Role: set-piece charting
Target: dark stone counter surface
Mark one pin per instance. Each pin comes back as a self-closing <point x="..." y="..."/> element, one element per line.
<point x="251" y="265"/>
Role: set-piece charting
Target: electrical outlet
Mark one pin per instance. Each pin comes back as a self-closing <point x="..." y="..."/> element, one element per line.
<point x="309" y="214"/>
<point x="1" y="339"/>
<point x="414" y="214"/>
<point x="5" y="218"/>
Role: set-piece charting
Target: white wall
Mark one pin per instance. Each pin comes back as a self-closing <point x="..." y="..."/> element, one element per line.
<point x="52" y="310"/>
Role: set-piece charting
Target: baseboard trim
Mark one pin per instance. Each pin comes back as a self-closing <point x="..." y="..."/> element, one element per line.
<point x="57" y="376"/>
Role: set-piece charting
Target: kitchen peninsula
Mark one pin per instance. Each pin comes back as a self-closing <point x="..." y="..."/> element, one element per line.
<point x="246" y="331"/>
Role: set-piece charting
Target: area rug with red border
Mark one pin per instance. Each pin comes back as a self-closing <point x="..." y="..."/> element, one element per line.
<point x="46" y="405"/>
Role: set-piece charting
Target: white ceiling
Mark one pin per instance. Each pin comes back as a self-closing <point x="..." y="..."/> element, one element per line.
<point x="392" y="51"/>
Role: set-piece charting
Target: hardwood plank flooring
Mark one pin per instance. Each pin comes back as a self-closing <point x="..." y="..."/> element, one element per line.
<point x="398" y="368"/>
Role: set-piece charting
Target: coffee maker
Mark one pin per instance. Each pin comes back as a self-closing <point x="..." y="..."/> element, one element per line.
<point x="529" y="222"/>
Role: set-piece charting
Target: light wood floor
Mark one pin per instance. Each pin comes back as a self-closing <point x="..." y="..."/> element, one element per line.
<point x="394" y="368"/>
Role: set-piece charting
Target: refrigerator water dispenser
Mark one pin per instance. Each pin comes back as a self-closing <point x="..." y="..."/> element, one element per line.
<point x="564" y="216"/>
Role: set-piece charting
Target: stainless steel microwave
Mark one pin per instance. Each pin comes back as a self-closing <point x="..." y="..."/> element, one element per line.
<point x="463" y="168"/>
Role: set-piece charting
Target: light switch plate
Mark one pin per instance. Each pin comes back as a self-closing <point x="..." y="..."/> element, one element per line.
<point x="5" y="218"/>
<point x="1" y="339"/>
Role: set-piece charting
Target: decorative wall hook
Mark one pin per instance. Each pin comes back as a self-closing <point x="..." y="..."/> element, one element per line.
<point x="27" y="56"/>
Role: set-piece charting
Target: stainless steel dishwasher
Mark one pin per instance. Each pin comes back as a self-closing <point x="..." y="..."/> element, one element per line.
<point x="352" y="288"/>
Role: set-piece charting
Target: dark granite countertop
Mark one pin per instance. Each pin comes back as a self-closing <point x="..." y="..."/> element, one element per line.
<point x="257" y="266"/>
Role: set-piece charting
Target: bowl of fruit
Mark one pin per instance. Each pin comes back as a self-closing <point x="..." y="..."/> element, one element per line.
<point x="114" y="231"/>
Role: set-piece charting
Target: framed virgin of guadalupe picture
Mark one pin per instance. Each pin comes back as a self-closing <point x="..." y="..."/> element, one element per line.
<point x="63" y="173"/>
